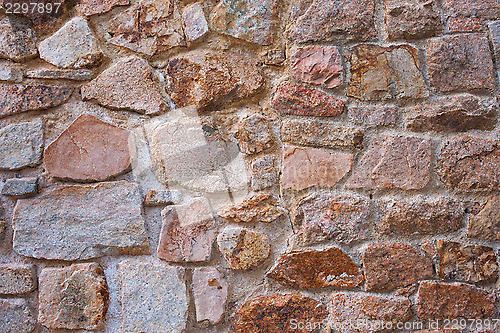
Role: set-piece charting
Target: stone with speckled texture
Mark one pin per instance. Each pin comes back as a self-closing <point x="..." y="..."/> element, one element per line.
<point x="21" y="145"/>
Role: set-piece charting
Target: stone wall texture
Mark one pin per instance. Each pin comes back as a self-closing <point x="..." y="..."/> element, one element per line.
<point x="249" y="166"/>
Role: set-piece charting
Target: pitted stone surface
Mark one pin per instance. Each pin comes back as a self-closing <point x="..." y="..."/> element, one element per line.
<point x="253" y="134"/>
<point x="17" y="279"/>
<point x="195" y="23"/>
<point x="15" y="316"/>
<point x="94" y="7"/>
<point x="21" y="145"/>
<point x="17" y="39"/>
<point x="260" y="207"/>
<point x="486" y="224"/>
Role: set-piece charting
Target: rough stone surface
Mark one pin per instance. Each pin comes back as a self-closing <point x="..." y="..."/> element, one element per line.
<point x="72" y="46"/>
<point x="250" y="20"/>
<point x="74" y="297"/>
<point x="58" y="74"/>
<point x="451" y="114"/>
<point x="486" y="9"/>
<point x="20" y="187"/>
<point x="274" y="313"/>
<point x="81" y="222"/>
<point x="394" y="161"/>
<point x="210" y="79"/>
<point x="494" y="28"/>
<point x="391" y="266"/>
<point x="318" y="65"/>
<point x="43" y="20"/>
<point x="460" y="62"/>
<point x="210" y="291"/>
<point x="372" y="116"/>
<point x="369" y="310"/>
<point x="467" y="263"/>
<point x="148" y="27"/>
<point x="94" y="7"/>
<point x="17" y="279"/>
<point x="465" y="24"/>
<point x="486" y="224"/>
<point x="22" y="97"/>
<point x="243" y="248"/>
<point x="383" y="73"/>
<point x="317" y="269"/>
<point x="195" y="24"/>
<point x="319" y="133"/>
<point x="330" y="20"/>
<point x="331" y="215"/>
<point x="260" y="207"/>
<point x="411" y="19"/>
<point x="253" y="134"/>
<point x="264" y="173"/>
<point x="307" y="167"/>
<point x="274" y="57"/>
<point x="199" y="159"/>
<point x="153" y="297"/>
<point x="21" y="145"/>
<point x="436" y="300"/>
<point x="160" y="198"/>
<point x="17" y="39"/>
<point x="10" y="72"/>
<point x="3" y="229"/>
<point x="93" y="150"/>
<point x="421" y="215"/>
<point x="467" y="163"/>
<point x="128" y="85"/>
<point x="187" y="233"/>
<point x="299" y="100"/>
<point x="15" y="316"/>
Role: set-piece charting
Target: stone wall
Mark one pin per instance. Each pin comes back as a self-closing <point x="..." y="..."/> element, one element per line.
<point x="249" y="166"/>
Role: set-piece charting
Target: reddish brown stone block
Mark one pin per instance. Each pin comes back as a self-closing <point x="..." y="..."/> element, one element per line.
<point x="411" y="19"/>
<point x="261" y="207"/>
<point x="318" y="65"/>
<point x="486" y="224"/>
<point x="465" y="24"/>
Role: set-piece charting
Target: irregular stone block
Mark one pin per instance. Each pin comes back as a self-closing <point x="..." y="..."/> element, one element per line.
<point x="331" y="215"/>
<point x="261" y="207"/>
<point x="384" y="73"/>
<point x="18" y="40"/>
<point x="92" y="150"/>
<point x="17" y="279"/>
<point x="299" y="100"/>
<point x="372" y="116"/>
<point x="95" y="7"/>
<point x="187" y="233"/>
<point x="331" y="20"/>
<point x="21" y="97"/>
<point x="319" y="133"/>
<point x="489" y="9"/>
<point x="15" y="316"/>
<point x="467" y="263"/>
<point x="411" y="19"/>
<point x="61" y="74"/>
<point x="274" y="57"/>
<point x="159" y="198"/>
<point x="317" y="269"/>
<point x="391" y="266"/>
<point x="465" y="24"/>
<point x="460" y="62"/>
<point x="253" y="134"/>
<point x="277" y="313"/>
<point x="10" y="72"/>
<point x="20" y="187"/>
<point x="21" y="145"/>
<point x="210" y="294"/>
<point x="486" y="224"/>
<point x="43" y="19"/>
<point x="74" y="297"/>
<point x="154" y="297"/>
<point x="250" y="20"/>
<point x="264" y="173"/>
<point x="195" y="24"/>
<point x="467" y="163"/>
<point x="420" y="215"/>
<point x="394" y="161"/>
<point x="137" y="90"/>
<point x="436" y="300"/>
<point x="243" y="248"/>
<point x="72" y="46"/>
<point x="307" y="167"/>
<point x="452" y="114"/>
<point x="318" y="65"/>
<point x="494" y="28"/>
<point x="81" y="222"/>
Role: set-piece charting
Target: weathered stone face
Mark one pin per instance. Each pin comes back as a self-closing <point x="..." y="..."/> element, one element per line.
<point x="372" y="116"/>
<point x="261" y="207"/>
<point x="44" y="19"/>
<point x="411" y="19"/>
<point x="74" y="297"/>
<point x="253" y="134"/>
<point x="465" y="24"/>
<point x="329" y="20"/>
<point x="436" y="300"/>
<point x="467" y="263"/>
<point x="391" y="266"/>
<point x="384" y="73"/>
<point x="153" y="297"/>
<point x="18" y="40"/>
<point x="162" y="197"/>
<point x="316" y="269"/>
<point x="81" y="222"/>
<point x="94" y="7"/>
<point x="251" y="20"/>
<point x="469" y="164"/>
<point x="210" y="291"/>
<point x="187" y="233"/>
<point x="307" y="167"/>
<point x="61" y="74"/>
<point x="17" y="279"/>
<point x="21" y="145"/>
<point x="318" y="65"/>
<point x="15" y="316"/>
<point x="486" y="224"/>
<point x="331" y="215"/>
<point x="420" y="215"/>
<point x="460" y="62"/>
<point x="264" y="173"/>
<point x="93" y="149"/>
<point x="488" y="9"/>
<point x="260" y="314"/>
<point x="195" y="24"/>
